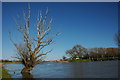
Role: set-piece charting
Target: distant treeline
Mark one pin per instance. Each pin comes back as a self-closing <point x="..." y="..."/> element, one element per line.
<point x="78" y="52"/>
<point x="9" y="60"/>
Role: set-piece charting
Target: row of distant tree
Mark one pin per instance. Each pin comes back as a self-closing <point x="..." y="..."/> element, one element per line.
<point x="79" y="52"/>
<point x="5" y="60"/>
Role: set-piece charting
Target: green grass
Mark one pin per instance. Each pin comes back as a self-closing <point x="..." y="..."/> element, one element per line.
<point x="82" y="60"/>
<point x="5" y="73"/>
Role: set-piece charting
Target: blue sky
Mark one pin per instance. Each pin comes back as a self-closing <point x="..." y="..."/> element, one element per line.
<point x="89" y="24"/>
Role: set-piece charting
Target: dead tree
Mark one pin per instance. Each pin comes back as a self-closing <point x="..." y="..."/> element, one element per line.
<point x="31" y="54"/>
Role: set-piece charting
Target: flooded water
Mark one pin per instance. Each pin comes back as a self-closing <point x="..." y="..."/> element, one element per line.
<point x="105" y="69"/>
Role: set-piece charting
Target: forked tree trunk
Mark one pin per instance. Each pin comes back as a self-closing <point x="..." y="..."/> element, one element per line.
<point x="26" y="70"/>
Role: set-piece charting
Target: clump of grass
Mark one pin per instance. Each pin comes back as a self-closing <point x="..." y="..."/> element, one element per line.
<point x="5" y="73"/>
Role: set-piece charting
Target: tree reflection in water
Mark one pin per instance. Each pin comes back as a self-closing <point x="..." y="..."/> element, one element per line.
<point x="27" y="75"/>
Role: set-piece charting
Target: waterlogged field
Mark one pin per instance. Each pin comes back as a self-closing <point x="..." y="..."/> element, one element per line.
<point x="104" y="69"/>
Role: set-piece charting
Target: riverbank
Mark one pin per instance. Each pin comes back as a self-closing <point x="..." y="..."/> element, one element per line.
<point x="4" y="71"/>
<point x="59" y="61"/>
<point x="87" y="60"/>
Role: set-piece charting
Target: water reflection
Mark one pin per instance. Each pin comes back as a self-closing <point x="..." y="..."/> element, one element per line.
<point x="108" y="69"/>
<point x="77" y="70"/>
<point x="27" y="75"/>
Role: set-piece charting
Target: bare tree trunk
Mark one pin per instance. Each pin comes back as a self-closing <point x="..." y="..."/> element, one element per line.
<point x="27" y="75"/>
<point x="26" y="70"/>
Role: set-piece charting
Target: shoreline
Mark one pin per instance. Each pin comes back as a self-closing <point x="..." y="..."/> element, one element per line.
<point x="83" y="60"/>
<point x="66" y="61"/>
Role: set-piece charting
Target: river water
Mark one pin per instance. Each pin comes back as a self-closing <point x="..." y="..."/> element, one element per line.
<point x="104" y="69"/>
